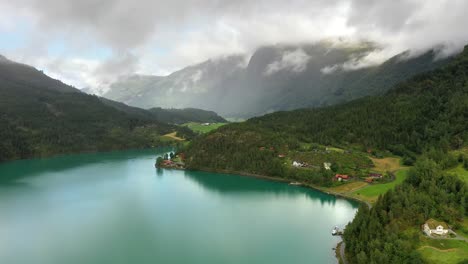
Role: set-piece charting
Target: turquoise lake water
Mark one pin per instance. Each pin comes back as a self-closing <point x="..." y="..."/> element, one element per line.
<point x="117" y="208"/>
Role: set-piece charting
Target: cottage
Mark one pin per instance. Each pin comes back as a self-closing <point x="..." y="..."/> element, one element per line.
<point x="327" y="165"/>
<point x="297" y="164"/>
<point x="341" y="177"/>
<point x="281" y="155"/>
<point x="375" y="175"/>
<point x="435" y="227"/>
<point x="300" y="164"/>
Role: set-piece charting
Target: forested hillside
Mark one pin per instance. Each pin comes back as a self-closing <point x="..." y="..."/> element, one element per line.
<point x="390" y="231"/>
<point x="430" y="110"/>
<point x="186" y="115"/>
<point x="40" y="116"/>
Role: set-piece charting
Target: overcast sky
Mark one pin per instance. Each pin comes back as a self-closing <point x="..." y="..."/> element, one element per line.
<point x="91" y="42"/>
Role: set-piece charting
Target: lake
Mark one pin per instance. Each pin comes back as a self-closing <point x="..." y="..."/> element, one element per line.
<point x="117" y="208"/>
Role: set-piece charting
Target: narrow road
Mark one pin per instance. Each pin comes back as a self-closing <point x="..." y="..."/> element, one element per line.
<point x="457" y="237"/>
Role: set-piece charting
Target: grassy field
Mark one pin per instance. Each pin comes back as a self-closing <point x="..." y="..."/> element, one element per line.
<point x="200" y="128"/>
<point x="372" y="192"/>
<point x="460" y="172"/>
<point x="349" y="187"/>
<point x="387" y="164"/>
<point x="444" y="251"/>
<point x="336" y="149"/>
<point x="171" y="137"/>
<point x="463" y="231"/>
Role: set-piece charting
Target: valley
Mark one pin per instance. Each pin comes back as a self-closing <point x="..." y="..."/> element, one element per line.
<point x="401" y="153"/>
<point x="232" y="132"/>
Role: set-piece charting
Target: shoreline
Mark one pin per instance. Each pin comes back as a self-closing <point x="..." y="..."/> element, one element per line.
<point x="278" y="179"/>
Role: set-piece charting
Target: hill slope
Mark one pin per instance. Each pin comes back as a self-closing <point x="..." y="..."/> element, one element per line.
<point x="186" y="115"/>
<point x="282" y="77"/>
<point x="41" y="116"/>
<point x="171" y="116"/>
<point x="428" y="110"/>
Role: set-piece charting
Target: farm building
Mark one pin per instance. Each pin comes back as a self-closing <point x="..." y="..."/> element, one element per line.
<point x="435" y="227"/>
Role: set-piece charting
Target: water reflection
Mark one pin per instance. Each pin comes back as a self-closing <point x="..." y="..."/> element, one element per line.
<point x="243" y="185"/>
<point x="15" y="170"/>
<point x="117" y="208"/>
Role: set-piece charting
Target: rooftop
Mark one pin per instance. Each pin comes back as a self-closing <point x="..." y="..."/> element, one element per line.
<point x="433" y="224"/>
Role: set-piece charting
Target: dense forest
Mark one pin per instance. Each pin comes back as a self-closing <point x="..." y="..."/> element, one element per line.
<point x="421" y="119"/>
<point x="186" y="115"/>
<point x="389" y="232"/>
<point x="40" y="116"/>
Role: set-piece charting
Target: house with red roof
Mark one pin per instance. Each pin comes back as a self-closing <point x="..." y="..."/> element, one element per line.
<point x="341" y="177"/>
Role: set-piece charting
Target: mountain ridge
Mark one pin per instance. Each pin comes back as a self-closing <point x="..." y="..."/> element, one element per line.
<point x="41" y="116"/>
<point x="276" y="78"/>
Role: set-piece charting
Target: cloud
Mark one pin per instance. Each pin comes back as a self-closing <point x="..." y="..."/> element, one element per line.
<point x="294" y="61"/>
<point x="158" y="37"/>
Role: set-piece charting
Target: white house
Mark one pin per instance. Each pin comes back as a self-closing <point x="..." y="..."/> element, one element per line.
<point x="297" y="164"/>
<point x="435" y="227"/>
<point x="327" y="165"/>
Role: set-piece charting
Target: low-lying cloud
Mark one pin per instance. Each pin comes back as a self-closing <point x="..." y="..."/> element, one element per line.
<point x="293" y="61"/>
<point x="158" y="37"/>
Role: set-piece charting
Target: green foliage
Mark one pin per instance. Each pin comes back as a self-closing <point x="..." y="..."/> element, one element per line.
<point x="202" y="128"/>
<point x="375" y="190"/>
<point x="159" y="161"/>
<point x="386" y="234"/>
<point x="181" y="116"/>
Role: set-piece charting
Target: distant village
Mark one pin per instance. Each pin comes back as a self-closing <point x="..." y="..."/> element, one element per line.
<point x="328" y="165"/>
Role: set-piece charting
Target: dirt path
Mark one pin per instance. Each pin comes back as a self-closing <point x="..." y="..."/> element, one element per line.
<point x="457" y="237"/>
<point x="438" y="249"/>
<point x="174" y="136"/>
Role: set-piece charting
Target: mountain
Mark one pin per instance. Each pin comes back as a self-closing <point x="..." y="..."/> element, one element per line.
<point x="281" y="77"/>
<point x="430" y="109"/>
<point x="40" y="116"/>
<point x="423" y="119"/>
